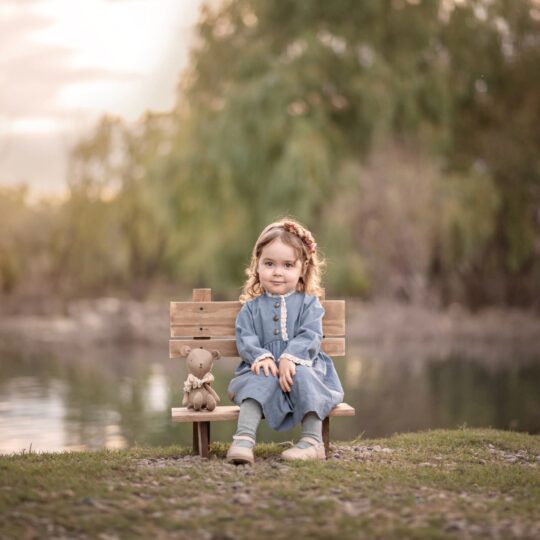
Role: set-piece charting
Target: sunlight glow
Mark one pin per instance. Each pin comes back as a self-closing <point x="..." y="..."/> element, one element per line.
<point x="66" y="63"/>
<point x="120" y="36"/>
<point x="116" y="47"/>
<point x="37" y="124"/>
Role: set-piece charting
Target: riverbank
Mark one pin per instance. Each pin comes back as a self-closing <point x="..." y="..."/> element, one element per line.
<point x="391" y="328"/>
<point x="437" y="484"/>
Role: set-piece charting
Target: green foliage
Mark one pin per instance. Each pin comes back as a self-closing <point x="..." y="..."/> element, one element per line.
<point x="310" y="88"/>
<point x="467" y="209"/>
<point x="404" y="134"/>
<point x="115" y="226"/>
<point x="25" y="245"/>
<point x="12" y="209"/>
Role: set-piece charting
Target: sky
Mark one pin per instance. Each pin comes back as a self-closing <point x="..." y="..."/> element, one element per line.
<point x="64" y="63"/>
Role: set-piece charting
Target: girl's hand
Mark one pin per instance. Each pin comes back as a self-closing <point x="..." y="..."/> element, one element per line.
<point x="267" y="364"/>
<point x="287" y="370"/>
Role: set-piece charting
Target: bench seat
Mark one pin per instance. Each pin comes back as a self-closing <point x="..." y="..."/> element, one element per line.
<point x="226" y="412"/>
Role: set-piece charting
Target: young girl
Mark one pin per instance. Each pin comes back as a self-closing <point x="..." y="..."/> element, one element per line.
<point x="283" y="375"/>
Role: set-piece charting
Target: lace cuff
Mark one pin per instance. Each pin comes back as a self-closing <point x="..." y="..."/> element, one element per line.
<point x="296" y="360"/>
<point x="262" y="357"/>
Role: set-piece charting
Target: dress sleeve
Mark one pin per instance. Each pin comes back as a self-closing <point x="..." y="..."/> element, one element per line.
<point x="247" y="340"/>
<point x="306" y="344"/>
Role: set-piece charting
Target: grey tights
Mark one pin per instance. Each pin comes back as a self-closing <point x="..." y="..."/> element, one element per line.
<point x="311" y="427"/>
<point x="250" y="417"/>
<point x="248" y="421"/>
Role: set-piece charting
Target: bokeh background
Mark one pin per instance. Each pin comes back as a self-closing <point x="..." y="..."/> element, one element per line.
<point x="144" y="145"/>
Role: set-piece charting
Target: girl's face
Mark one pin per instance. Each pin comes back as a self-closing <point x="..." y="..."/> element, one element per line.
<point x="279" y="268"/>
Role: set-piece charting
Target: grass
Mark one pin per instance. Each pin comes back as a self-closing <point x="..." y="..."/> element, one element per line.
<point x="465" y="483"/>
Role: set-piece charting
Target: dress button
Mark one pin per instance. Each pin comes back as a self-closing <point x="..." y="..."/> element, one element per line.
<point x="276" y="331"/>
<point x="276" y="318"/>
<point x="276" y="304"/>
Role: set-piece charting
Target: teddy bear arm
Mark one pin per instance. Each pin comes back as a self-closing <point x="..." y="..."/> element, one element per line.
<point x="212" y="392"/>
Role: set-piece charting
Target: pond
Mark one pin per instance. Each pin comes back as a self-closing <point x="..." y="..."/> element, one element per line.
<point x="116" y="397"/>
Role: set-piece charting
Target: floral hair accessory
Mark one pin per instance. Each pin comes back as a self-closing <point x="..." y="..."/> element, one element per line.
<point x="304" y="235"/>
<point x="312" y="246"/>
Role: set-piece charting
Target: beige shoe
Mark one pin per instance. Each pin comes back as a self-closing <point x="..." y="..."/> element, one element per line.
<point x="315" y="451"/>
<point x="239" y="454"/>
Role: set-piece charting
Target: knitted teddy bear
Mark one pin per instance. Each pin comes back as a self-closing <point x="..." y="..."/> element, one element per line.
<point x="198" y="393"/>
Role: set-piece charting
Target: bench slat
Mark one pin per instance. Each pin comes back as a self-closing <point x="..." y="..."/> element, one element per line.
<point x="217" y="319"/>
<point x="227" y="347"/>
<point x="226" y="412"/>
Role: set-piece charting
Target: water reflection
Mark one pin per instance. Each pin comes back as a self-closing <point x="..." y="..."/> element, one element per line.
<point x="119" y="397"/>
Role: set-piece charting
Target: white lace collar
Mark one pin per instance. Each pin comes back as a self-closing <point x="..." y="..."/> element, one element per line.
<point x="279" y="295"/>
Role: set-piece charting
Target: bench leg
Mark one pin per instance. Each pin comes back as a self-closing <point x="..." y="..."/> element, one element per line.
<point x="326" y="435"/>
<point x="196" y="437"/>
<point x="201" y="438"/>
<point x="204" y="438"/>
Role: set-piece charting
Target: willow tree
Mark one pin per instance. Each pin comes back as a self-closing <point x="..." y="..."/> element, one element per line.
<point x="301" y="108"/>
<point x="282" y="100"/>
<point x="116" y="231"/>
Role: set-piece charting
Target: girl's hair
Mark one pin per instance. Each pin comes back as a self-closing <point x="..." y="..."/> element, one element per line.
<point x="292" y="233"/>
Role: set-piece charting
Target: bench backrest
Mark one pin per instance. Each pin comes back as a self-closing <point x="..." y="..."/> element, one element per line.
<point x="211" y="325"/>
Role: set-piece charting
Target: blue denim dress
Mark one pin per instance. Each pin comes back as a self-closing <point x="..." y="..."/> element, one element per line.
<point x="285" y="326"/>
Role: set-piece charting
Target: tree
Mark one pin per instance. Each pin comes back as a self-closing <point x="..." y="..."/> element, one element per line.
<point x="283" y="96"/>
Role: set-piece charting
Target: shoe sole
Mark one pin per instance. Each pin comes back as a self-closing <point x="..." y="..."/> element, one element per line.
<point x="319" y="457"/>
<point x="240" y="461"/>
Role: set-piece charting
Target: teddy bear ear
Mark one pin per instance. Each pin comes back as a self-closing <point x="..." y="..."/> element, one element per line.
<point x="216" y="354"/>
<point x="185" y="350"/>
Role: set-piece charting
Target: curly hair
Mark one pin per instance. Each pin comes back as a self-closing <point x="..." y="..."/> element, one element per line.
<point x="294" y="234"/>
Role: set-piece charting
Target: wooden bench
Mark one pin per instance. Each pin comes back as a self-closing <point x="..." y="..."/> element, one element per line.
<point x="211" y="325"/>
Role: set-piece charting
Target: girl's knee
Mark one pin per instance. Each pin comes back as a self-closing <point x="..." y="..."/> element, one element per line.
<point x="304" y="382"/>
<point x="261" y="387"/>
<point x="304" y="374"/>
<point x="268" y="381"/>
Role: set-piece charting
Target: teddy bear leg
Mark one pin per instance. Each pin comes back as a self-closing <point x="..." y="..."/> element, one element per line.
<point x="197" y="400"/>
<point x="210" y="402"/>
